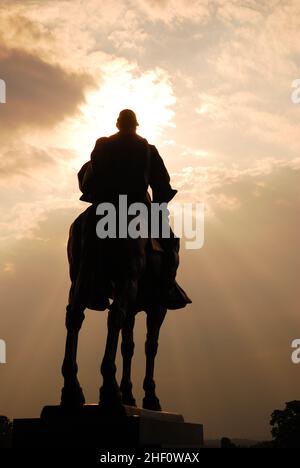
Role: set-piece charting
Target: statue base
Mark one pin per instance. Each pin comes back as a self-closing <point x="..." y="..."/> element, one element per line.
<point x="94" y="426"/>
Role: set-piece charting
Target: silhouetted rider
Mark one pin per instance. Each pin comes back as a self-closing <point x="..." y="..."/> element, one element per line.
<point x="125" y="163"/>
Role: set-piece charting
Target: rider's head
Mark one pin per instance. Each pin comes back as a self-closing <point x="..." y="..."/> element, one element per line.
<point x="127" y="121"/>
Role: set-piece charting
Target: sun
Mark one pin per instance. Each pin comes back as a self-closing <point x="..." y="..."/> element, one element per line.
<point x="148" y="94"/>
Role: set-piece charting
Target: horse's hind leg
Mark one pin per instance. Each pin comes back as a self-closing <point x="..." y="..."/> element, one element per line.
<point x="127" y="349"/>
<point x="72" y="393"/>
<point x="110" y="394"/>
<point x="155" y="318"/>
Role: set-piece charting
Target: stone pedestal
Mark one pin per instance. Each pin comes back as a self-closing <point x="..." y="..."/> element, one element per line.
<point x="95" y="427"/>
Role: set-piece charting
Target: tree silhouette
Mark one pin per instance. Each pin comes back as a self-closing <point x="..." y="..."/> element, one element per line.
<point x="227" y="443"/>
<point x="286" y="426"/>
<point x="5" y="431"/>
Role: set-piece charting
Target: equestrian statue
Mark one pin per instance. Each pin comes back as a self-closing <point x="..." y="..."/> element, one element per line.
<point x="121" y="274"/>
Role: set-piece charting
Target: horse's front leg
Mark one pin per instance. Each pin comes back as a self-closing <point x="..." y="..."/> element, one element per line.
<point x="155" y="318"/>
<point x="72" y="393"/>
<point x="127" y="349"/>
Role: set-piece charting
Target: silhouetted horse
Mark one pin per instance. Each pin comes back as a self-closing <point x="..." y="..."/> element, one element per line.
<point x="129" y="271"/>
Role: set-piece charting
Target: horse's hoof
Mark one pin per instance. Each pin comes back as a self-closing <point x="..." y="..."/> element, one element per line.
<point x="72" y="395"/>
<point x="128" y="400"/>
<point x="110" y="396"/>
<point x="151" y="403"/>
<point x="127" y="396"/>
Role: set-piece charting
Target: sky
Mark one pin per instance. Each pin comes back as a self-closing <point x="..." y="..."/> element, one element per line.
<point x="210" y="82"/>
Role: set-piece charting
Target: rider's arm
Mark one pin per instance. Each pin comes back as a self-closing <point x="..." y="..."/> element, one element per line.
<point x="159" y="178"/>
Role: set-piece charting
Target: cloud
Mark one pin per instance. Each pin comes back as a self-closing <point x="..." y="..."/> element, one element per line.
<point x="25" y="160"/>
<point x="219" y="186"/>
<point x="34" y="182"/>
<point x="23" y="221"/>
<point x="241" y="12"/>
<point x="257" y="44"/>
<point x="19" y="30"/>
<point x="38" y="93"/>
<point x="129" y="34"/>
<point x="175" y="11"/>
<point x="250" y="113"/>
